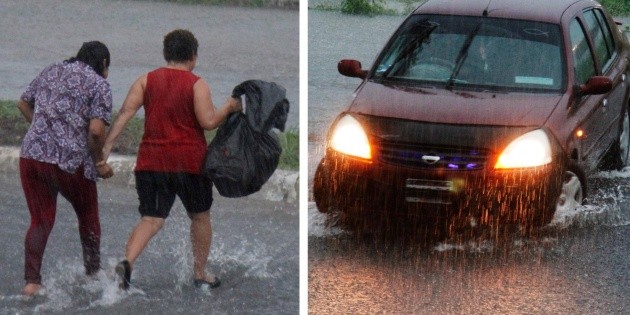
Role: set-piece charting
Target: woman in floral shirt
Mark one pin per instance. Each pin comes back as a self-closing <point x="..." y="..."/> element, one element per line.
<point x="69" y="106"/>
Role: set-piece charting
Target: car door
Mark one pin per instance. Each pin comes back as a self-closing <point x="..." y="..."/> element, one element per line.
<point x="594" y="55"/>
<point x="611" y="65"/>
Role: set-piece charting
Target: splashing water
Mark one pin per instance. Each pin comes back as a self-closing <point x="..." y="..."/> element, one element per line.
<point x="317" y="223"/>
<point x="607" y="205"/>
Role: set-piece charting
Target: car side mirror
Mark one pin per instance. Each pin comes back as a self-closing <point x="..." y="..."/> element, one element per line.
<point x="351" y="68"/>
<point x="596" y="85"/>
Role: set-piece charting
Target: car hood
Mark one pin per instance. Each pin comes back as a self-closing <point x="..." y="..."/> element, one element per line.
<point x="454" y="107"/>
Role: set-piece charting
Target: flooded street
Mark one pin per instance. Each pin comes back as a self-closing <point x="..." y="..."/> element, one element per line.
<point x="254" y="252"/>
<point x="255" y="248"/>
<point x="577" y="265"/>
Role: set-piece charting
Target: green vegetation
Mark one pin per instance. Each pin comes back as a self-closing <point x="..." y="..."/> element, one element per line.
<point x="365" y="7"/>
<point x="290" y="142"/>
<point x="380" y="7"/>
<point x="617" y="7"/>
<point x="359" y="7"/>
<point x="13" y="126"/>
<point x="12" y="123"/>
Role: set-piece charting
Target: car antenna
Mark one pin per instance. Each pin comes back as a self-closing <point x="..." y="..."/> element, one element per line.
<point x="485" y="11"/>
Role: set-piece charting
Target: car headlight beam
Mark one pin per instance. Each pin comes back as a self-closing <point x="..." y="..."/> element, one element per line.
<point x="529" y="150"/>
<point x="348" y="137"/>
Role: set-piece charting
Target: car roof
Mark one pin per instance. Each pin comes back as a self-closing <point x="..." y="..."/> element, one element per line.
<point x="537" y="10"/>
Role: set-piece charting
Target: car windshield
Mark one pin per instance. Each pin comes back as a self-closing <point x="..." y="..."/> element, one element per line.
<point x="462" y="51"/>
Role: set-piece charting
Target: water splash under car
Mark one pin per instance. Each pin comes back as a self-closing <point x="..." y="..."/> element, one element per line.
<point x="483" y="110"/>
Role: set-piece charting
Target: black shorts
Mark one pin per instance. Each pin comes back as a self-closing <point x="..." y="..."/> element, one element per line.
<point x="157" y="191"/>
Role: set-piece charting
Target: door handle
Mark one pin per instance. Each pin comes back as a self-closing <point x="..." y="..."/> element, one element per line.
<point x="605" y="102"/>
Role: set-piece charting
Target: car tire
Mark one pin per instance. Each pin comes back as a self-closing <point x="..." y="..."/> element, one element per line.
<point x="321" y="188"/>
<point x="618" y="155"/>
<point x="571" y="196"/>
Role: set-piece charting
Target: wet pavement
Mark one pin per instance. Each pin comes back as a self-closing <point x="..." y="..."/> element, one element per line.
<point x="577" y="265"/>
<point x="584" y="271"/>
<point x="255" y="247"/>
<point x="255" y="252"/>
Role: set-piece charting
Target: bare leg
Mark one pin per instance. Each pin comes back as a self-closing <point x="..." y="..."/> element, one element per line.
<point x="141" y="235"/>
<point x="201" y="238"/>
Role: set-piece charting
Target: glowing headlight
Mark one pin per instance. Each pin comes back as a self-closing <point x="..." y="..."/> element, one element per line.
<point x="348" y="137"/>
<point x="529" y="150"/>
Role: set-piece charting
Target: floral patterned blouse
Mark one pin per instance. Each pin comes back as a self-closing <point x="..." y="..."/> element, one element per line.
<point x="65" y="97"/>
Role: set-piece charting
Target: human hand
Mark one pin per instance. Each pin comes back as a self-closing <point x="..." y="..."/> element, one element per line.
<point x="104" y="170"/>
<point x="106" y="151"/>
<point x="235" y="104"/>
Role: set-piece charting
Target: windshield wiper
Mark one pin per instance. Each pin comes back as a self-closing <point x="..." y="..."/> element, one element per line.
<point x="411" y="46"/>
<point x="461" y="57"/>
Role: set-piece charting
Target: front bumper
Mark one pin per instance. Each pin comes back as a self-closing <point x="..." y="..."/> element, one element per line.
<point x="358" y="188"/>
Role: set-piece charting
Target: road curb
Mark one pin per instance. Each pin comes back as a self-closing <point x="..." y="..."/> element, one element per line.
<point x="283" y="186"/>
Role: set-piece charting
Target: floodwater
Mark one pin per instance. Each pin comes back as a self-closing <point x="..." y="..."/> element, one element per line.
<point x="576" y="265"/>
<point x="255" y="252"/>
<point x="255" y="247"/>
<point x="235" y="44"/>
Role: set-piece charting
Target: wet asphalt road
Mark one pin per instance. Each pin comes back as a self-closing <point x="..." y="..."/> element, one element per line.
<point x="578" y="265"/>
<point x="584" y="271"/>
<point x="255" y="252"/>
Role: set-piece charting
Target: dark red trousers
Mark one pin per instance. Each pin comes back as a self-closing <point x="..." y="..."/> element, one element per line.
<point x="42" y="183"/>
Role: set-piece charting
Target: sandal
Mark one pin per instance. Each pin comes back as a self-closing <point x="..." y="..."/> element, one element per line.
<point x="200" y="283"/>
<point x="123" y="270"/>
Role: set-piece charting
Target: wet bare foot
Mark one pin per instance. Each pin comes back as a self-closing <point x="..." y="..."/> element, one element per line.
<point x="31" y="289"/>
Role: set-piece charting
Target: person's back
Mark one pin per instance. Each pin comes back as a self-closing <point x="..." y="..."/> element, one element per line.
<point x="178" y="108"/>
<point x="68" y="106"/>
<point x="173" y="140"/>
<point x="66" y="95"/>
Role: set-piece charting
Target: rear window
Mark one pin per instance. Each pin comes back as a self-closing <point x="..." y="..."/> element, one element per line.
<point x="460" y="51"/>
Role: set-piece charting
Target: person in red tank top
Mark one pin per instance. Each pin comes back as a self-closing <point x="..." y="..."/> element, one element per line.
<point x="178" y="108"/>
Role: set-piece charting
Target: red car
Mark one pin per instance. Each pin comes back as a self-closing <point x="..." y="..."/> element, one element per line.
<point x="486" y="111"/>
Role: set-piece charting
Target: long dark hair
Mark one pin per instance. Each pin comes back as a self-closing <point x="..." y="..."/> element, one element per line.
<point x="93" y="53"/>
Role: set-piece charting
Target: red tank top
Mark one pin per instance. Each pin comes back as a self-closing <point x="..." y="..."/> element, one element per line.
<point x="173" y="140"/>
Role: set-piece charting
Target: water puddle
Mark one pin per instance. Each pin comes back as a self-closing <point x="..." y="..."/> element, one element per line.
<point x="607" y="206"/>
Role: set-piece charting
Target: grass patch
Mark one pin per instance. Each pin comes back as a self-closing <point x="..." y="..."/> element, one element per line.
<point x="14" y="127"/>
<point x="12" y="124"/>
<point x="617" y="7"/>
<point x="359" y="7"/>
<point x="379" y="7"/>
<point x="290" y="142"/>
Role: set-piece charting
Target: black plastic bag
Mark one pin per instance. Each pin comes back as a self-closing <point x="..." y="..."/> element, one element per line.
<point x="245" y="151"/>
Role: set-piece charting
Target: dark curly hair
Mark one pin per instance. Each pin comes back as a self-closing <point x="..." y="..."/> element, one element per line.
<point x="93" y="53"/>
<point x="179" y="46"/>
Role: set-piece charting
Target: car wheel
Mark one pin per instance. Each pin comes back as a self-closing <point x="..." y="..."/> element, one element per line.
<point x="617" y="157"/>
<point x="321" y="189"/>
<point x="572" y="193"/>
<point x="624" y="141"/>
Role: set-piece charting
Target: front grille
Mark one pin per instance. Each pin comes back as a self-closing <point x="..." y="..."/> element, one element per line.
<point x="433" y="157"/>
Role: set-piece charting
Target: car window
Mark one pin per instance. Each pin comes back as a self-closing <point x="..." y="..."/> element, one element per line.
<point x="601" y="36"/>
<point x="475" y="52"/>
<point x="582" y="57"/>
